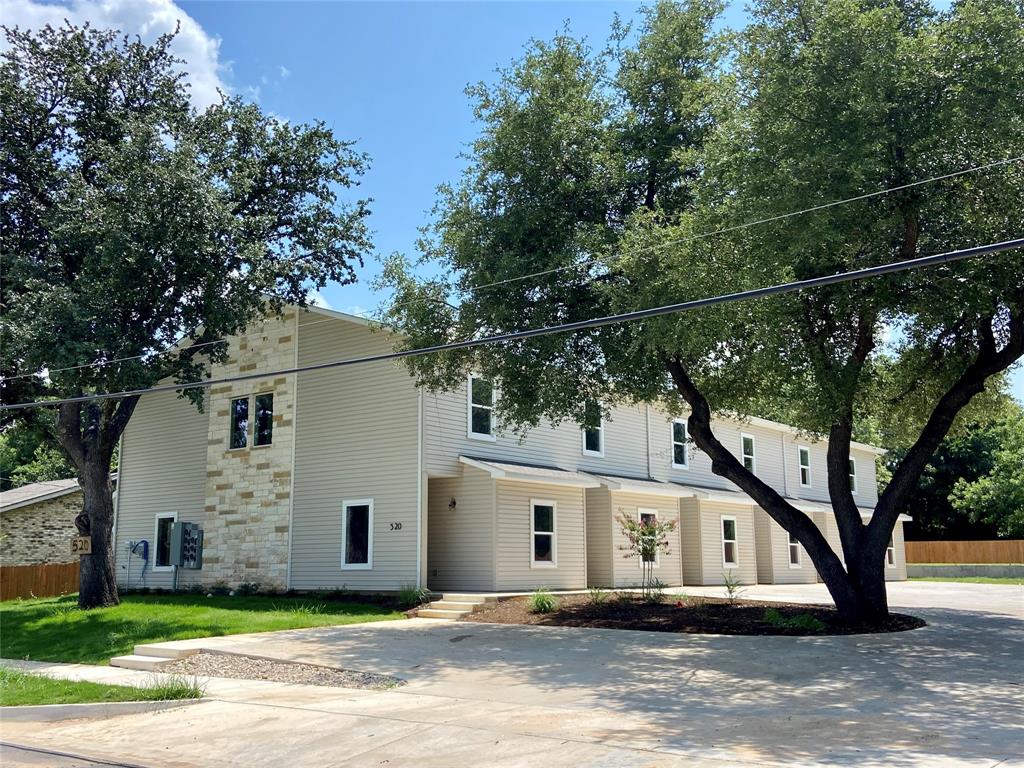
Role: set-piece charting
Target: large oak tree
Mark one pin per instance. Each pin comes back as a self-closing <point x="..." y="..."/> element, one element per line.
<point x="137" y="232"/>
<point x="602" y="175"/>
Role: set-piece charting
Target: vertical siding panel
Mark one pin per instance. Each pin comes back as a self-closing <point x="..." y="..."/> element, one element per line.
<point x="690" y="545"/>
<point x="627" y="570"/>
<point x="599" y="537"/>
<point x="460" y="554"/>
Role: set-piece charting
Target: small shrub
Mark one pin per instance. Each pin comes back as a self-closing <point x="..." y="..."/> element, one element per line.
<point x="623" y="597"/>
<point x="733" y="588"/>
<point x="802" y="621"/>
<point x="302" y="609"/>
<point x="174" y="687"/>
<point x="410" y="596"/>
<point x="655" y="592"/>
<point x="542" y="601"/>
<point x="597" y="595"/>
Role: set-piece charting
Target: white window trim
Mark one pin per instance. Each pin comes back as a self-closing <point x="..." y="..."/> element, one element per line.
<point x="685" y="443"/>
<point x="368" y="565"/>
<point x="469" y="410"/>
<point x="156" y="534"/>
<point x="753" y="455"/>
<point x="736" y="541"/>
<point x="890" y="553"/>
<point x="553" y="533"/>
<point x="583" y="439"/>
<point x="252" y="420"/>
<point x="789" y="552"/>
<point x="640" y="512"/>
<point x="853" y="476"/>
<point x="231" y="423"/>
<point x="800" y="466"/>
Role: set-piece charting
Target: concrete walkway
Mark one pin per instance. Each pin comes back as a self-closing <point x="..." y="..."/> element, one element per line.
<point x="484" y="694"/>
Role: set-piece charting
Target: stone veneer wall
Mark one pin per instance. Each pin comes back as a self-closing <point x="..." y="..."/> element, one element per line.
<point x="248" y="490"/>
<point x="40" y="533"/>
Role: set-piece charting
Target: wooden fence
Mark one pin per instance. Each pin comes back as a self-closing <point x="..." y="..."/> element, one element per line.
<point x="38" y="580"/>
<point x="1010" y="551"/>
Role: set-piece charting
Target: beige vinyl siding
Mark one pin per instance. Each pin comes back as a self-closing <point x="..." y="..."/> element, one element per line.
<point x="899" y="572"/>
<point x="356" y="438"/>
<point x="690" y="541"/>
<point x="514" y="547"/>
<point x="867" y="489"/>
<point x="714" y="570"/>
<point x="763" y="545"/>
<point x="460" y="550"/>
<point x="599" y="537"/>
<point x="162" y="470"/>
<point x="561" y="445"/>
<point x="773" y="554"/>
<point x="627" y="570"/>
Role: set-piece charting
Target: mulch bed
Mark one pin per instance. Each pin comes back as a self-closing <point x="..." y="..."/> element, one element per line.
<point x="688" y="615"/>
<point x="239" y="667"/>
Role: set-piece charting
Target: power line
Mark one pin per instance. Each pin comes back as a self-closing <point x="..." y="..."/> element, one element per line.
<point x="642" y="314"/>
<point x="589" y="262"/>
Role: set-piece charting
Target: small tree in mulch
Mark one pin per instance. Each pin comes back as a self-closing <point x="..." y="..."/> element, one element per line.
<point x="645" y="538"/>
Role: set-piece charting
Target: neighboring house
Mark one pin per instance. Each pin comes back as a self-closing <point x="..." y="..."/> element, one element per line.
<point x="37" y="522"/>
<point x="354" y="477"/>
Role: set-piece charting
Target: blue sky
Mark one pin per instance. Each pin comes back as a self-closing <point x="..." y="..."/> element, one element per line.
<point x="389" y="75"/>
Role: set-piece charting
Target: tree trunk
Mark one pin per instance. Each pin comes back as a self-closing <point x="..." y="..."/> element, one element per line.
<point x="97" y="584"/>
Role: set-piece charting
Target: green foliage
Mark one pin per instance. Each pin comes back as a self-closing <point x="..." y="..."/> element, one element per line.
<point x="597" y="596"/>
<point x="734" y="588"/>
<point x="53" y="629"/>
<point x="655" y="592"/>
<point x="802" y="621"/>
<point x="28" y="455"/>
<point x="410" y="595"/>
<point x="24" y="689"/>
<point x="997" y="497"/>
<point x="541" y="601"/>
<point x="645" y="540"/>
<point x="247" y="589"/>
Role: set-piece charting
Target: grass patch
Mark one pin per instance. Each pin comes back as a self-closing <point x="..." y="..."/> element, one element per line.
<point x="24" y="689"/>
<point x="54" y="629"/>
<point x="973" y="579"/>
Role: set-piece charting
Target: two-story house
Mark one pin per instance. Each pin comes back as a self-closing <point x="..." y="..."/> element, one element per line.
<point x="352" y="476"/>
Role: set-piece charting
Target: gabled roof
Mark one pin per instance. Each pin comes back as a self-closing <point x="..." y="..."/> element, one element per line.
<point x="530" y="473"/>
<point x="33" y="493"/>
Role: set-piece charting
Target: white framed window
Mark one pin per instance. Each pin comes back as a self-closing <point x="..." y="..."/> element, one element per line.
<point x="794" y="552"/>
<point x="593" y="437"/>
<point x="543" y="536"/>
<point x="357" y="535"/>
<point x="747" y="445"/>
<point x="647" y="517"/>
<point x="890" y="554"/>
<point x="162" y="541"/>
<point x="480" y="407"/>
<point x="680" y="445"/>
<point x="730" y="547"/>
<point x="853" y="476"/>
<point x="804" y="454"/>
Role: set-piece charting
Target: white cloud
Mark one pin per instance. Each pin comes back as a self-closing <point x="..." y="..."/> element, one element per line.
<point x="316" y="298"/>
<point x="146" y="18"/>
<point x="285" y="72"/>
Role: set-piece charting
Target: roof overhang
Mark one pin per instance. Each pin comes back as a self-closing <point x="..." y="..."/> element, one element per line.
<point x="639" y="485"/>
<point x="720" y="495"/>
<point x="866" y="514"/>
<point x="526" y="473"/>
<point x="47" y="496"/>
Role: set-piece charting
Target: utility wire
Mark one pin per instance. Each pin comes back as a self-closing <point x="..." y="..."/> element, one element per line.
<point x="581" y="265"/>
<point x="668" y="309"/>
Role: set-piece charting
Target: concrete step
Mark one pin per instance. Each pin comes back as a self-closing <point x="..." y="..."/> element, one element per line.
<point x="164" y="651"/>
<point x="460" y="597"/>
<point x="452" y="605"/>
<point x="434" y="613"/>
<point x="145" y="663"/>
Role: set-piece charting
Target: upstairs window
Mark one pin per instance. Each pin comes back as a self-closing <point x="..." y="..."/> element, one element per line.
<point x="680" y="448"/>
<point x="794" y="552"/>
<point x="853" y="476"/>
<point x="481" y="408"/>
<point x="593" y="436"/>
<point x="239" y="422"/>
<point x="748" y="452"/>
<point x="805" y="466"/>
<point x="730" y="553"/>
<point x="357" y="534"/>
<point x="542" y="533"/>
<point x="263" y="431"/>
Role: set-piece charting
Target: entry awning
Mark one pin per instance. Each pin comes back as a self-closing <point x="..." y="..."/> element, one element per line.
<point x="808" y="506"/>
<point x="867" y="512"/>
<point x="639" y="485"/>
<point x="530" y="473"/>
<point x="719" y="494"/>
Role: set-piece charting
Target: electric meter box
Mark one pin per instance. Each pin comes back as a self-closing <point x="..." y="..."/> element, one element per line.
<point x="187" y="545"/>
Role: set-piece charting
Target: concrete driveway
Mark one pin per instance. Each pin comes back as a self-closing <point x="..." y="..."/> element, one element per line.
<point x="482" y="694"/>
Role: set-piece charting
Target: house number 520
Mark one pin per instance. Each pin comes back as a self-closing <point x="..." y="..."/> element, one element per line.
<point x="396" y="526"/>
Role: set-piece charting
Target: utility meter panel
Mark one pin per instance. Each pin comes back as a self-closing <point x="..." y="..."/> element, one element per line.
<point x="187" y="545"/>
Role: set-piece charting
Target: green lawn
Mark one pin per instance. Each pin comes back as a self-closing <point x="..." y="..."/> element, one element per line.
<point x="972" y="579"/>
<point x="23" y="689"/>
<point x="53" y="629"/>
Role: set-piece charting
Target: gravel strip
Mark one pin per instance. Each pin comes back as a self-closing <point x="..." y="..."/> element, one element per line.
<point x="210" y="664"/>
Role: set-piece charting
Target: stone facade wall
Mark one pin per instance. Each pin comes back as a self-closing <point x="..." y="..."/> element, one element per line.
<point x="40" y="533"/>
<point x="248" y="490"/>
